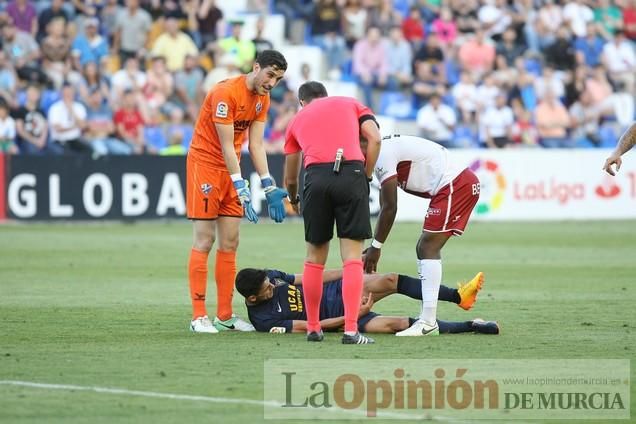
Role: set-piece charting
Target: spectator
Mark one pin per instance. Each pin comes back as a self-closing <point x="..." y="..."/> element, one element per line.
<point x="208" y="18"/>
<point x="413" y="27"/>
<point x="465" y="12"/>
<point x="466" y="98"/>
<point x="174" y="147"/>
<point x="24" y="16"/>
<point x="159" y="86"/>
<point x="294" y="83"/>
<point x="188" y="86"/>
<point x="487" y="92"/>
<point x="128" y="78"/>
<point x="400" y="58"/>
<point x="550" y="19"/>
<point x="508" y="48"/>
<point x="436" y="121"/>
<point x="243" y="50"/>
<point x="93" y="80"/>
<point x="576" y="85"/>
<point x="445" y="27"/>
<point x="561" y="54"/>
<point x="92" y="47"/>
<point x="431" y="53"/>
<point x="494" y="18"/>
<point x="576" y="15"/>
<point x="7" y="130"/>
<point x="327" y="33"/>
<point x="585" y="119"/>
<point x="8" y="81"/>
<point x="177" y="129"/>
<point x="56" y="49"/>
<point x="293" y="10"/>
<point x="370" y="64"/>
<point x="608" y="17"/>
<point x="620" y="61"/>
<point x="100" y="128"/>
<point x="354" y="19"/>
<point x="56" y="10"/>
<point x="477" y="55"/>
<point x="496" y="124"/>
<point x="523" y="132"/>
<point x="108" y="15"/>
<point x="31" y="126"/>
<point x="426" y="83"/>
<point x="174" y="45"/>
<point x="384" y="16"/>
<point x="129" y="122"/>
<point x="227" y="66"/>
<point x="589" y="48"/>
<point x="132" y="25"/>
<point x="19" y="46"/>
<point x="549" y="81"/>
<point x="553" y="122"/>
<point x="67" y="119"/>
<point x="260" y="42"/>
<point x="629" y="19"/>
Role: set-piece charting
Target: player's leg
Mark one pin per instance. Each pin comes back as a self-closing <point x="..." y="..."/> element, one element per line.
<point x="230" y="216"/>
<point x="318" y="221"/>
<point x="203" y="235"/>
<point x="380" y="285"/>
<point x="387" y="325"/>
<point x="352" y="282"/>
<point x="202" y="208"/>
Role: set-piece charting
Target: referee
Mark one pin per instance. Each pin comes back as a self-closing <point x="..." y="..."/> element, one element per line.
<point x="327" y="133"/>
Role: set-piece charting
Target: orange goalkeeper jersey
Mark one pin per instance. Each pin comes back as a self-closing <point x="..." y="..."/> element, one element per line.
<point x="228" y="102"/>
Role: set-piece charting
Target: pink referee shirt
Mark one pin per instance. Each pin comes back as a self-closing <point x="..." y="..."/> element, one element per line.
<point x="325" y="125"/>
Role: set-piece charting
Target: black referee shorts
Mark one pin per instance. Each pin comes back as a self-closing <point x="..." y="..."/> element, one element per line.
<point x="342" y="197"/>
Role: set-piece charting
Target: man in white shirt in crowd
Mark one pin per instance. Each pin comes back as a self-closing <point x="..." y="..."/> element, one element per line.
<point x="496" y="124"/>
<point x="67" y="119"/>
<point x="436" y="121"/>
<point x="620" y="60"/>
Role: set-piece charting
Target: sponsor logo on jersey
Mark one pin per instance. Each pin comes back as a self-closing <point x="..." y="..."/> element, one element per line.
<point x="221" y="110"/>
<point x="259" y="107"/>
<point x="433" y="212"/>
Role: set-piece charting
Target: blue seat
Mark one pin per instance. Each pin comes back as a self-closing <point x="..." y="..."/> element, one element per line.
<point x="396" y="105"/>
<point x="464" y="137"/>
<point x="48" y="98"/>
<point x="608" y="136"/>
<point x="155" y="137"/>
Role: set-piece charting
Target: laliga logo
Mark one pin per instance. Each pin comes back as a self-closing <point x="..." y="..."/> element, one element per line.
<point x="607" y="189"/>
<point x="493" y="185"/>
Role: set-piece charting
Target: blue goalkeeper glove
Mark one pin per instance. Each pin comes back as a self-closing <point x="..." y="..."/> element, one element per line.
<point x="243" y="190"/>
<point x="274" y="196"/>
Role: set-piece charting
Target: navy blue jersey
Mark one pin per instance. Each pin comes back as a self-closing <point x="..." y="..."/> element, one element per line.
<point x="287" y="304"/>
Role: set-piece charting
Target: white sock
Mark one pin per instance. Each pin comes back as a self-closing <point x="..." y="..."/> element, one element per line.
<point x="430" y="271"/>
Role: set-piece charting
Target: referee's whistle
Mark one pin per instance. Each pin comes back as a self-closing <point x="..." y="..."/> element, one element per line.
<point x="338" y="161"/>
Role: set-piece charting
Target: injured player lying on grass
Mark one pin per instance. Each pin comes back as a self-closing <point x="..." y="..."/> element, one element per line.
<point x="275" y="303"/>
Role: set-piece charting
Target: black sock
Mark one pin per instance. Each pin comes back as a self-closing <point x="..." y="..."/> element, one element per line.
<point x="412" y="287"/>
<point x="409" y="286"/>
<point x="448" y="294"/>
<point x="452" y="327"/>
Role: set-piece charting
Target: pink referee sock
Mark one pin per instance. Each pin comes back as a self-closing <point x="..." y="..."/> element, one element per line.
<point x="312" y="291"/>
<point x="351" y="293"/>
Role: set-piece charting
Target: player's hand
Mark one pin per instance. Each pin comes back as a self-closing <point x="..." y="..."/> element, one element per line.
<point x="371" y="257"/>
<point x="614" y="159"/>
<point x="366" y="305"/>
<point x="275" y="206"/>
<point x="243" y="190"/>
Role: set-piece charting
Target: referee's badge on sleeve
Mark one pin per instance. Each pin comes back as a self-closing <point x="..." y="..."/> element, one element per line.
<point x="221" y="110"/>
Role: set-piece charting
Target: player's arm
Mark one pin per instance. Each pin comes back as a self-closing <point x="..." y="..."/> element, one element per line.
<point x="293" y="163"/>
<point x="226" y="138"/>
<point x="257" y="148"/>
<point x="625" y="143"/>
<point x="327" y="276"/>
<point x="370" y="131"/>
<point x="388" y="210"/>
<point x="273" y="194"/>
<point x="299" y="326"/>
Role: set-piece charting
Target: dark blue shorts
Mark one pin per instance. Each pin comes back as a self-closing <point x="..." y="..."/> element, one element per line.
<point x="332" y="306"/>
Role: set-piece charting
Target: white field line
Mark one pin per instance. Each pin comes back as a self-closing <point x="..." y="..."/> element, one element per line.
<point x="212" y="399"/>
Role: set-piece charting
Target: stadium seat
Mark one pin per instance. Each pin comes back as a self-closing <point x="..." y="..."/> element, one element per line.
<point x="402" y="6"/>
<point x="396" y="105"/>
<point x="464" y="137"/>
<point x="155" y="137"/>
<point x="608" y="136"/>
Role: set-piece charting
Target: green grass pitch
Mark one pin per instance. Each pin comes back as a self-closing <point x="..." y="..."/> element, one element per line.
<point x="107" y="305"/>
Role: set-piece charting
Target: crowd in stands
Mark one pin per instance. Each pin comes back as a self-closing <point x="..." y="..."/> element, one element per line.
<point x="127" y="76"/>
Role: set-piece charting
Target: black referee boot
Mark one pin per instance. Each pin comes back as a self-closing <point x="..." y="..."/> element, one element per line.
<point x="357" y="339"/>
<point x="315" y="336"/>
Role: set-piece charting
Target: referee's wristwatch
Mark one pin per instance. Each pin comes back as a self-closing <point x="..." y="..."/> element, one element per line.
<point x="295" y="200"/>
